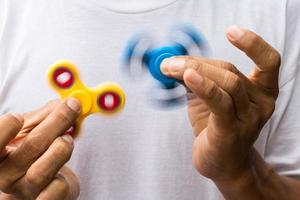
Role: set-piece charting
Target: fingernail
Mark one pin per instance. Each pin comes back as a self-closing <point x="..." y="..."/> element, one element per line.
<point x="18" y="116"/>
<point x="194" y="77"/>
<point x="74" y="104"/>
<point x="68" y="138"/>
<point x="172" y="64"/>
<point x="235" y="33"/>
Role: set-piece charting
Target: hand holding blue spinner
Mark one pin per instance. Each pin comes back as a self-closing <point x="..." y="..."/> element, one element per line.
<point x="183" y="39"/>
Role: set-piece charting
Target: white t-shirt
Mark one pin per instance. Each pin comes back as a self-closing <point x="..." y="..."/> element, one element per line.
<point x="143" y="153"/>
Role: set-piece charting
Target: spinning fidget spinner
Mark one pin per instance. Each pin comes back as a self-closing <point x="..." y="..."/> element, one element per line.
<point x="107" y="98"/>
<point x="142" y="53"/>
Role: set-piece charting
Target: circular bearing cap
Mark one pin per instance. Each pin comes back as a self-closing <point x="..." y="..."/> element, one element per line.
<point x="109" y="101"/>
<point x="63" y="77"/>
<point x="85" y="99"/>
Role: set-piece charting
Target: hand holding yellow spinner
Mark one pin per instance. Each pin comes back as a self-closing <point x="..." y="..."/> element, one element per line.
<point x="107" y="98"/>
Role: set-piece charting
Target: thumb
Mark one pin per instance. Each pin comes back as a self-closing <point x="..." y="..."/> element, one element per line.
<point x="266" y="58"/>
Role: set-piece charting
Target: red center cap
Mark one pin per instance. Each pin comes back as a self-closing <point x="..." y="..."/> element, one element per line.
<point x="63" y="77"/>
<point x="109" y="101"/>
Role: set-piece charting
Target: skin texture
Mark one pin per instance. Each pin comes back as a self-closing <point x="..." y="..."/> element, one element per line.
<point x="227" y="110"/>
<point x="34" y="151"/>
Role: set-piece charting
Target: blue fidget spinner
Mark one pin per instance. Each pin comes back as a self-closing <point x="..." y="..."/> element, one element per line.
<point x="142" y="53"/>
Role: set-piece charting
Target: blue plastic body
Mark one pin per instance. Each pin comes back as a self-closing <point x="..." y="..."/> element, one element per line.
<point x="154" y="58"/>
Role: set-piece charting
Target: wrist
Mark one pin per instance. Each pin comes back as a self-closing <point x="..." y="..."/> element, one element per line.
<point x="258" y="180"/>
<point x="244" y="180"/>
<point x="239" y="171"/>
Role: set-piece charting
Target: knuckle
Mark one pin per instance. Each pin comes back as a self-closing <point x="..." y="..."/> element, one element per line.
<point x="275" y="58"/>
<point x="234" y="83"/>
<point x="63" y="149"/>
<point x="62" y="117"/>
<point x="229" y="66"/>
<point x="31" y="147"/>
<point x="34" y="178"/>
<point x="233" y="69"/>
<point x="210" y="91"/>
<point x="193" y="64"/>
<point x="11" y="121"/>
<point x="189" y="58"/>
<point x="253" y="38"/>
<point x="269" y="52"/>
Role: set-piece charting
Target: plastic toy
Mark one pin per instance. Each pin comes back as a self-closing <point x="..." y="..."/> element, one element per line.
<point x="182" y="40"/>
<point x="107" y="98"/>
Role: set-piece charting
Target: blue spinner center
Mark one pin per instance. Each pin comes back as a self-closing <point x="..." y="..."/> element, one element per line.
<point x="155" y="57"/>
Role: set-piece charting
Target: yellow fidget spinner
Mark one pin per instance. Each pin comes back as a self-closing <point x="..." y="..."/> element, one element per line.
<point x="107" y="98"/>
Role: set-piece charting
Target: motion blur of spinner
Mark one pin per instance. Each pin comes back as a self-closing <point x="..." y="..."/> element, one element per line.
<point x="144" y="52"/>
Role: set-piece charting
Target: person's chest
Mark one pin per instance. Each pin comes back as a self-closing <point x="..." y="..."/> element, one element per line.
<point x="94" y="40"/>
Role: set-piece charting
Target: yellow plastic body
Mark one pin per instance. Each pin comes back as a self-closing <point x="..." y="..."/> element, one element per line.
<point x="86" y="95"/>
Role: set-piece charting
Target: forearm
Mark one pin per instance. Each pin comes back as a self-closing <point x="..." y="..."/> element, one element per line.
<point x="259" y="181"/>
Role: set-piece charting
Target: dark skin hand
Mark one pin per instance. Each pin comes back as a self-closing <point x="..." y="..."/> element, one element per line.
<point x="227" y="110"/>
<point x="34" y="151"/>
